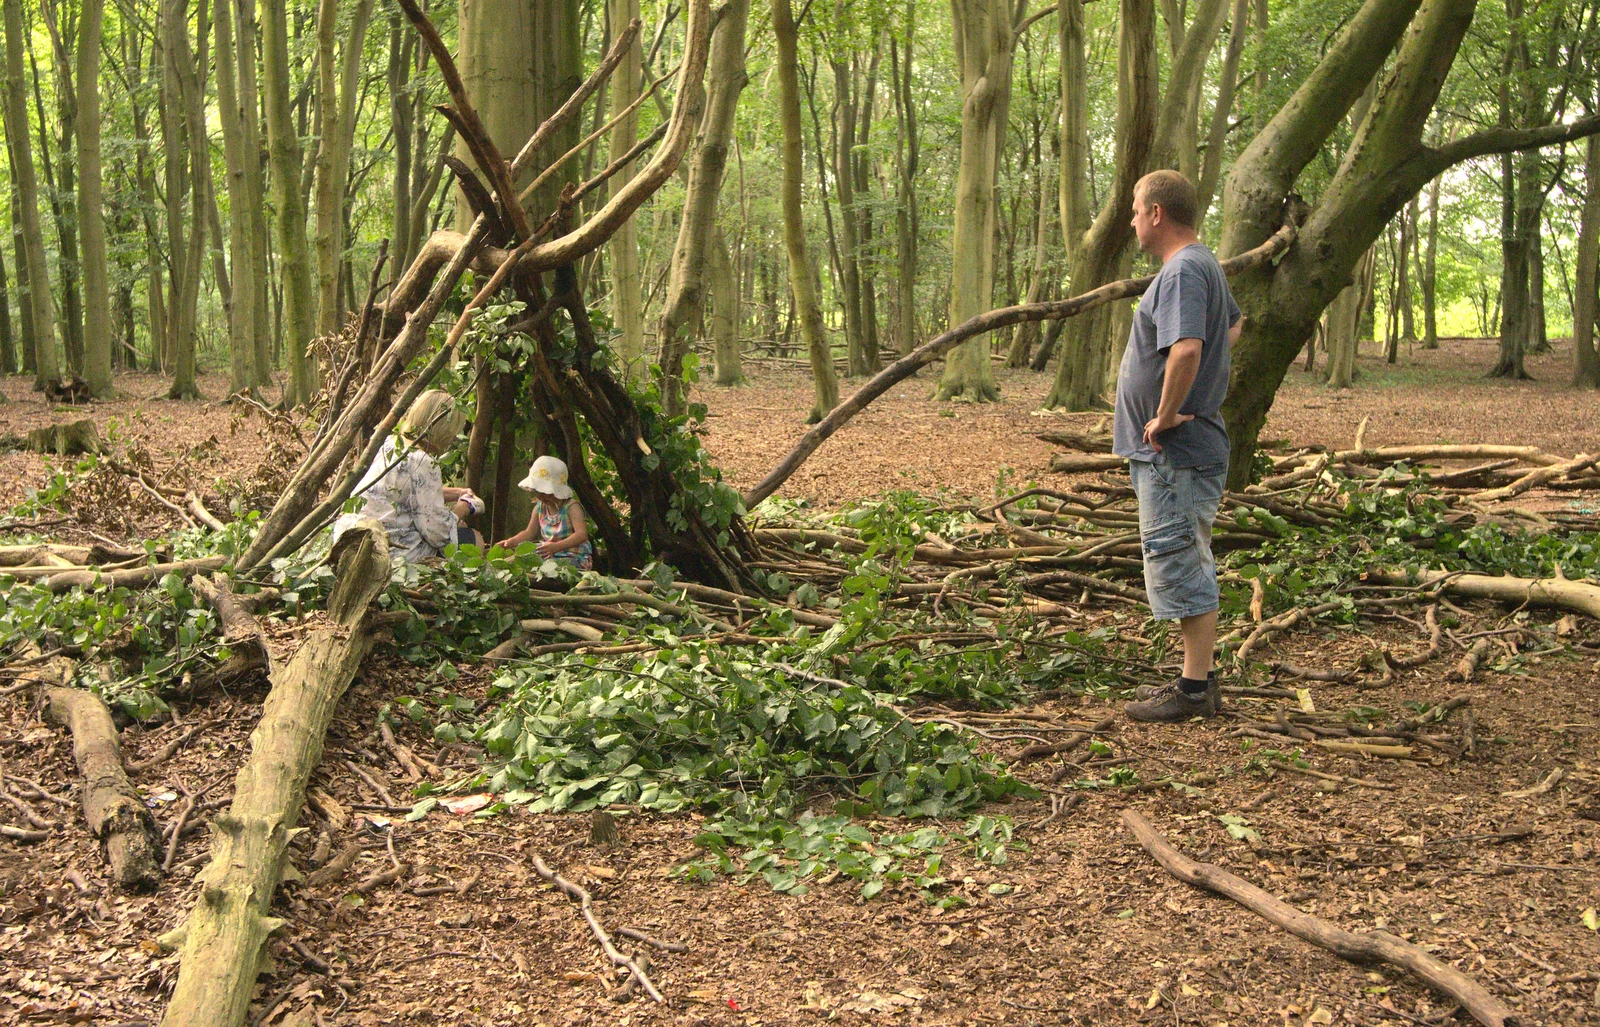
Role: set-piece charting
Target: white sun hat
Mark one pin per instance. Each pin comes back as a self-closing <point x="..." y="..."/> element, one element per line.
<point x="547" y="475"/>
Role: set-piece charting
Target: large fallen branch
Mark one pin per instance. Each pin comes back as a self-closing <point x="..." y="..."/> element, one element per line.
<point x="993" y="320"/>
<point x="115" y="813"/>
<point x="1562" y="593"/>
<point x="224" y="939"/>
<point x="1369" y="947"/>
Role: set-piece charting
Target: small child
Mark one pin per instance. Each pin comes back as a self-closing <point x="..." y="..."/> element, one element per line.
<point x="558" y="521"/>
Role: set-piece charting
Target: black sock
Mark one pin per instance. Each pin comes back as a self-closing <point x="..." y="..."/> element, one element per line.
<point x="1192" y="686"/>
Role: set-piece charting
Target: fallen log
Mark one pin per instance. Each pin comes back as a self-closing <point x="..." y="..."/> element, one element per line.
<point x="1533" y="479"/>
<point x="59" y="580"/>
<point x="1075" y="463"/>
<point x="1083" y="442"/>
<point x="223" y="941"/>
<point x="1368" y="947"/>
<point x="115" y="813"/>
<point x="1561" y="593"/>
<point x="240" y="629"/>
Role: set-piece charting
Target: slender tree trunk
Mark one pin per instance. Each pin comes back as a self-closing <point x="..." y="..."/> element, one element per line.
<point x="1081" y="375"/>
<point x="41" y="306"/>
<point x="724" y="306"/>
<point x="1027" y="334"/>
<point x="802" y="273"/>
<point x="24" y="295"/>
<point x="906" y="160"/>
<point x="1408" y="236"/>
<point x="62" y="190"/>
<point x="398" y="78"/>
<point x="91" y="221"/>
<point x="339" y="86"/>
<point x="1227" y="86"/>
<point x="1585" y="302"/>
<point x="984" y="47"/>
<point x="1538" y="331"/>
<point x="8" y="349"/>
<point x="699" y="243"/>
<point x="843" y="131"/>
<point x="288" y="199"/>
<point x="247" y="312"/>
<point x="186" y="91"/>
<point x="866" y="260"/>
<point x="1430" y="309"/>
<point x="627" y="300"/>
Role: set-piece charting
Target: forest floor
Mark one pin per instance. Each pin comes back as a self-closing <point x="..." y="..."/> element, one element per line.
<point x="1079" y="926"/>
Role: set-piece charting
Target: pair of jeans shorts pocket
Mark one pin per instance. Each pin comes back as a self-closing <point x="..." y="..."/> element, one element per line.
<point x="1168" y="539"/>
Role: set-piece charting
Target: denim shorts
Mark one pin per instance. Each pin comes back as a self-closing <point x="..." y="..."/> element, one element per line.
<point x="1177" y="506"/>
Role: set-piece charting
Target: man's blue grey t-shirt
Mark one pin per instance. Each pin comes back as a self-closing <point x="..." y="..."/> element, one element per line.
<point x="1189" y="299"/>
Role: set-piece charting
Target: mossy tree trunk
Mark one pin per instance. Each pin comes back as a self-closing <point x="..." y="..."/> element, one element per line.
<point x="802" y="274"/>
<point x="40" y="307"/>
<point x="91" y="220"/>
<point x="1385" y="166"/>
<point x="1585" y="302"/>
<point x="627" y="292"/>
<point x="224" y="939"/>
<point x="284" y="158"/>
<point x="984" y="47"/>
<point x="339" y="87"/>
<point x="698" y="237"/>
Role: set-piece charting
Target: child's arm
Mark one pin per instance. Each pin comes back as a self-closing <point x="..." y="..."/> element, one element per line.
<point x="580" y="533"/>
<point x="525" y="534"/>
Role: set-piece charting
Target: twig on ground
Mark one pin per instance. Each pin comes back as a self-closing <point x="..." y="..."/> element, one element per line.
<point x="573" y="891"/>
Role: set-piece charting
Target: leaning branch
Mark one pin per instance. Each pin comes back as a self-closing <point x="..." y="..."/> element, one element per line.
<point x="1369" y="947"/>
<point x="993" y="320"/>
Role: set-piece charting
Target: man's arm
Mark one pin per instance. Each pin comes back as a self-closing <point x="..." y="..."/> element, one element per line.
<point x="1235" y="331"/>
<point x="1183" y="364"/>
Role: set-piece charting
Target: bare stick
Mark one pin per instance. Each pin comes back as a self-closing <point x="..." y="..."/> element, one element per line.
<point x="1369" y="947"/>
<point x="930" y="351"/>
<point x="573" y="891"/>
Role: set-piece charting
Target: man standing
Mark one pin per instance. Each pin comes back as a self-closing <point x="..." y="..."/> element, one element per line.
<point x="1169" y="425"/>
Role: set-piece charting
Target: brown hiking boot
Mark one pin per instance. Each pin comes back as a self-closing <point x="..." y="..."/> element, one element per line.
<point x="1213" y="693"/>
<point x="1171" y="705"/>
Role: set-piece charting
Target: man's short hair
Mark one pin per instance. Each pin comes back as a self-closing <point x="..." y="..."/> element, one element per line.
<point x="1173" y="193"/>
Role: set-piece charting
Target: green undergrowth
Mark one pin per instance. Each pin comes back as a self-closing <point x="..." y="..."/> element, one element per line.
<point x="809" y="754"/>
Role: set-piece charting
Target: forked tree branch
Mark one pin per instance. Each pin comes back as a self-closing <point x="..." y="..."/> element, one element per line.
<point x="930" y="351"/>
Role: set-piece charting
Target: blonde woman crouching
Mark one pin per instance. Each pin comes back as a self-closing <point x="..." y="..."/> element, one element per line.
<point x="403" y="489"/>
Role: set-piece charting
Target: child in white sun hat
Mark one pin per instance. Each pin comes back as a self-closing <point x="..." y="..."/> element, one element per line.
<point x="558" y="521"/>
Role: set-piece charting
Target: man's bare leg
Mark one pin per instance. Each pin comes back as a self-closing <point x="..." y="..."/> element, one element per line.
<point x="1199" y="644"/>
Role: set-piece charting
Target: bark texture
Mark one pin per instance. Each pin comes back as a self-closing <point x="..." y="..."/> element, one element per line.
<point x="91" y="220"/>
<point x="802" y="273"/>
<point x="224" y="939"/>
<point x="116" y="814"/>
<point x="39" y="311"/>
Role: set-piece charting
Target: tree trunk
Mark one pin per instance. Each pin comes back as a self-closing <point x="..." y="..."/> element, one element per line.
<point x="724" y="305"/>
<point x="8" y="350"/>
<point x="1217" y="134"/>
<point x="248" y="279"/>
<point x="338" y="88"/>
<point x="1027" y="335"/>
<point x="1081" y="374"/>
<point x="1430" y="304"/>
<point x="906" y="161"/>
<point x="1538" y="332"/>
<point x="627" y="300"/>
<point x="224" y="939"/>
<point x="843" y="129"/>
<point x="41" y="305"/>
<point x="1585" y="302"/>
<point x="187" y="92"/>
<point x="684" y="308"/>
<point x="1344" y="315"/>
<point x="802" y="280"/>
<point x="984" y="46"/>
<point x="285" y="160"/>
<point x="91" y="221"/>
<point x="866" y="260"/>
<point x="1408" y="244"/>
<point x="24" y="295"/>
<point x="62" y="192"/>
